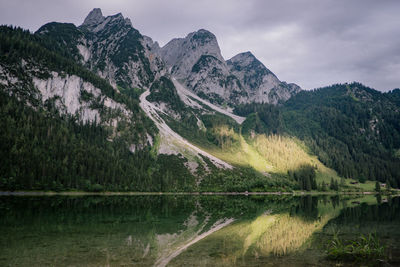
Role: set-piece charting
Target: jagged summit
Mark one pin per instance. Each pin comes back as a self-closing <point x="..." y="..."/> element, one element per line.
<point x="110" y="43"/>
<point x="244" y="57"/>
<point x="94" y="17"/>
<point x="197" y="61"/>
<point x="180" y="54"/>
<point x="244" y="54"/>
<point x="260" y="84"/>
<point x="111" y="47"/>
<point x="202" y="31"/>
<point x="95" y="21"/>
<point x="202" y="36"/>
<point x="247" y="61"/>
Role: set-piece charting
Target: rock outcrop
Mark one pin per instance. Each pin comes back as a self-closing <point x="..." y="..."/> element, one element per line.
<point x="95" y="17"/>
<point x="116" y="51"/>
<point x="112" y="48"/>
<point x="197" y="62"/>
<point x="182" y="54"/>
<point x="259" y="83"/>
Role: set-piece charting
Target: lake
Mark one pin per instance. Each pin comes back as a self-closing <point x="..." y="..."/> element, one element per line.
<point x="194" y="230"/>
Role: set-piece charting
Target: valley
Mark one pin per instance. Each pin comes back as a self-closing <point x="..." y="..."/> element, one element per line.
<point x="179" y="118"/>
<point x="191" y="134"/>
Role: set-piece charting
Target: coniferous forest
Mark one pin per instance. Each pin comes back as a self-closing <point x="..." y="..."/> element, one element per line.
<point x="40" y="150"/>
<point x="352" y="129"/>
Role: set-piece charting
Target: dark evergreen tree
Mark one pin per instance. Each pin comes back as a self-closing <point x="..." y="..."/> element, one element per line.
<point x="378" y="186"/>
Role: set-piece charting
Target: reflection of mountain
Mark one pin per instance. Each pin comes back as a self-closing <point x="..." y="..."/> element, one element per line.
<point x="267" y="235"/>
<point x="264" y="240"/>
<point x="101" y="107"/>
<point x="166" y="258"/>
<point x="128" y="230"/>
<point x="99" y="231"/>
<point x="91" y="231"/>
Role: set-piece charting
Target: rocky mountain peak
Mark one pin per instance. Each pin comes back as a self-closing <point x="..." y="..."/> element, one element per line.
<point x="181" y="54"/>
<point x="117" y="16"/>
<point x="260" y="84"/>
<point x="243" y="57"/>
<point x="94" y="17"/>
<point x="247" y="61"/>
<point x="197" y="61"/>
<point x="116" y="51"/>
<point x="96" y="22"/>
<point x="246" y="54"/>
<point x="202" y="37"/>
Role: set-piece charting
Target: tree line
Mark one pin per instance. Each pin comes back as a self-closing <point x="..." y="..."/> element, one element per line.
<point x="351" y="128"/>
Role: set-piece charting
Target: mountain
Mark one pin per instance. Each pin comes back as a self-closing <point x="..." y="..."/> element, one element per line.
<point x="70" y="107"/>
<point x="102" y="107"/>
<point x="181" y="54"/>
<point x="110" y="47"/>
<point x="350" y="127"/>
<point x="65" y="127"/>
<point x="260" y="84"/>
<point x="35" y="70"/>
<point x="196" y="61"/>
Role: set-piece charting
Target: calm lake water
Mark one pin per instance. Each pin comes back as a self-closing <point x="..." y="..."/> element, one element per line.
<point x="191" y="230"/>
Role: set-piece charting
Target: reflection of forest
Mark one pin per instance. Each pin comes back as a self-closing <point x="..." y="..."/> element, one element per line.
<point x="286" y="237"/>
<point x="271" y="234"/>
<point x="98" y="230"/>
<point x="94" y="230"/>
<point x="364" y="214"/>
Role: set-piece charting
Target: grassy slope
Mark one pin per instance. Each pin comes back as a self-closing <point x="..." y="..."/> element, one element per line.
<point x="288" y="153"/>
<point x="271" y="154"/>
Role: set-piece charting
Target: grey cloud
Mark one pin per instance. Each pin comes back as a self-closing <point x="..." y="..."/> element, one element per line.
<point x="310" y="42"/>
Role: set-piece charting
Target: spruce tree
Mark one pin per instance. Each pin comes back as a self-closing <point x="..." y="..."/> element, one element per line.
<point x="377" y="187"/>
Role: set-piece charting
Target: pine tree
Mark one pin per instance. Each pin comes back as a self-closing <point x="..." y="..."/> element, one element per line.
<point x="377" y="187"/>
<point x="323" y="187"/>
<point x="336" y="185"/>
<point x="332" y="184"/>
<point x="308" y="183"/>
<point x="388" y="186"/>
<point x="342" y="182"/>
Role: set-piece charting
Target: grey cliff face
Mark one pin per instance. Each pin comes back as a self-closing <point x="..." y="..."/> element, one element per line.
<point x="181" y="54"/>
<point x="118" y="52"/>
<point x="197" y="61"/>
<point x="260" y="84"/>
<point x="210" y="78"/>
<point x="95" y="17"/>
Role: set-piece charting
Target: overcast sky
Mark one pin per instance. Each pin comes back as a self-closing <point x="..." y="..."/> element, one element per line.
<point x="309" y="42"/>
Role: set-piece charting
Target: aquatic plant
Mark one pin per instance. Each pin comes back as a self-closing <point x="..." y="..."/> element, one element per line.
<point x="363" y="248"/>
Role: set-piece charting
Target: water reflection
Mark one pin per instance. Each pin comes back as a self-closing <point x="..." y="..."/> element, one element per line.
<point x="181" y="230"/>
<point x="272" y="234"/>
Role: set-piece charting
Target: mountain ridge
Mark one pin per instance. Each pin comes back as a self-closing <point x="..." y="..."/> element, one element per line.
<point x="197" y="61"/>
<point x="105" y="76"/>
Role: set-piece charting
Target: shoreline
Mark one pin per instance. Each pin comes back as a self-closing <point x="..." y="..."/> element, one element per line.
<point x="83" y="193"/>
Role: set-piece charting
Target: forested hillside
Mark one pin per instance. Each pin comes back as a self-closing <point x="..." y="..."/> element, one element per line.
<point x="351" y="128"/>
<point x="43" y="148"/>
<point x="72" y="118"/>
